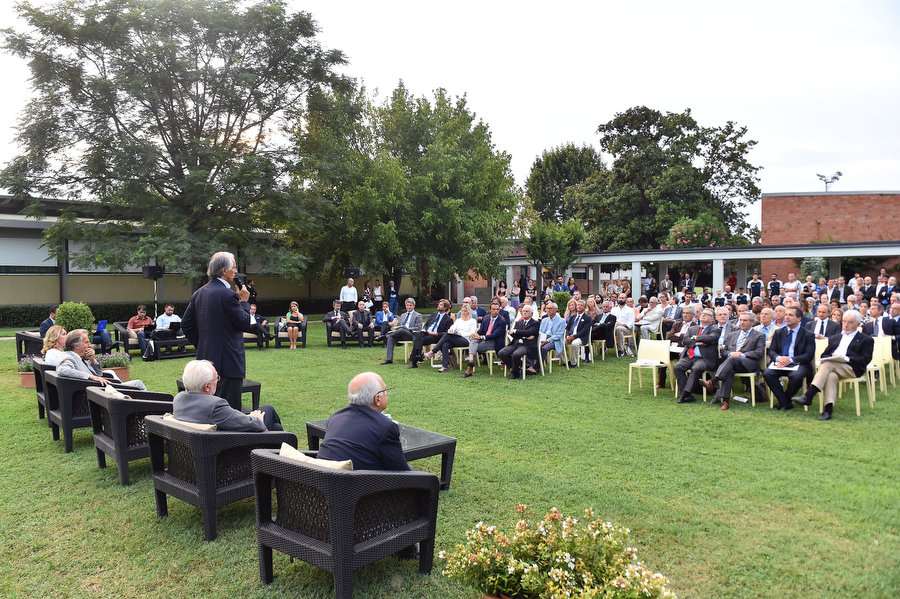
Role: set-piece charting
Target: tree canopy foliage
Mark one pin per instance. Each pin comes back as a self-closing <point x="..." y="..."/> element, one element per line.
<point x="666" y="167"/>
<point x="411" y="184"/>
<point x="553" y="172"/>
<point x="165" y="115"/>
<point x="553" y="246"/>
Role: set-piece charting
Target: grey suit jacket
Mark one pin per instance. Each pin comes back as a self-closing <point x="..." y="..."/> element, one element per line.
<point x="753" y="349"/>
<point x="209" y="409"/>
<point x="73" y="366"/>
<point x="415" y="322"/>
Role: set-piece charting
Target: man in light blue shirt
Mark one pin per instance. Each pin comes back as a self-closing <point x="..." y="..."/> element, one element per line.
<point x="553" y="330"/>
<point x="167" y="317"/>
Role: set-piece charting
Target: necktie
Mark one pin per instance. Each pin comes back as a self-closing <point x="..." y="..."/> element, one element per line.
<point x="692" y="351"/>
<point x="787" y="343"/>
<point x="822" y="328"/>
<point x="406" y="320"/>
<point x="490" y="328"/>
<point x="877" y="327"/>
<point x="434" y="325"/>
<point x="741" y="339"/>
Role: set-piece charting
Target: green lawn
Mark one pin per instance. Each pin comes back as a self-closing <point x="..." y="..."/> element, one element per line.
<point x="737" y="504"/>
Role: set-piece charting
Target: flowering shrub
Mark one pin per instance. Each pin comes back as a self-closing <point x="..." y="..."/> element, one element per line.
<point x="115" y="360"/>
<point x="26" y="364"/>
<point x="559" y="557"/>
<point x="704" y="231"/>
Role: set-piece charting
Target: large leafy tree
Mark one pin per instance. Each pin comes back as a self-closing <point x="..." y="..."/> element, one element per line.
<point x="553" y="172"/>
<point x="554" y="247"/>
<point x="163" y="117"/>
<point x="666" y="167"/>
<point x="408" y="185"/>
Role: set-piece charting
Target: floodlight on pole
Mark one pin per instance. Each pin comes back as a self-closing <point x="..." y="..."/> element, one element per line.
<point x="829" y="180"/>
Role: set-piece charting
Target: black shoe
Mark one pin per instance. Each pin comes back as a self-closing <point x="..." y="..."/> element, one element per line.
<point x="778" y="407"/>
<point x="686" y="398"/>
<point x="514" y="376"/>
<point x="573" y="365"/>
<point x="802" y="400"/>
<point x="531" y="370"/>
<point x="787" y="407"/>
<point x="825" y="415"/>
<point x="260" y="348"/>
<point x="465" y="375"/>
<point x="387" y="362"/>
<point x="413" y="365"/>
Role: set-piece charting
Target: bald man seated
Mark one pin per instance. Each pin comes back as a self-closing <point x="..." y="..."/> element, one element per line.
<point x="199" y="404"/>
<point x="361" y="432"/>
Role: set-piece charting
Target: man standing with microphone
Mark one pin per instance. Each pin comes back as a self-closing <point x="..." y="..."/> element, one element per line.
<point x="215" y="321"/>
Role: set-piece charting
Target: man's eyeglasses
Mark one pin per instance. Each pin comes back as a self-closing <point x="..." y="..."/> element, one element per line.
<point x="385" y="390"/>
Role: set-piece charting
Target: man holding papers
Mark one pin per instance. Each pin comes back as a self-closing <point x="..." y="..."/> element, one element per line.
<point x="791" y="351"/>
<point x="846" y="357"/>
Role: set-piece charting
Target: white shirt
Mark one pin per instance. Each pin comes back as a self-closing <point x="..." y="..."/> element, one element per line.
<point x="163" y="320"/>
<point x="464" y="328"/>
<point x="511" y="311"/>
<point x="844" y="344"/>
<point x="348" y="294"/>
<point x="624" y="316"/>
<point x="377" y="292"/>
<point x="53" y="356"/>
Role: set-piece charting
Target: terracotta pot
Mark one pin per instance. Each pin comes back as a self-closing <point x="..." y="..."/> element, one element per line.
<point x="121" y="372"/>
<point x="27" y="379"/>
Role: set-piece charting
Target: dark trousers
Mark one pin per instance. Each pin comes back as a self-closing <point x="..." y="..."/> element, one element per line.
<point x="511" y="356"/>
<point x="270" y="418"/>
<point x="361" y="332"/>
<point x="795" y="381"/>
<point x="421" y="339"/>
<point x="446" y="344"/>
<point x="262" y="334"/>
<point x="343" y="328"/>
<point x="728" y="368"/>
<point x="229" y="389"/>
<point x="697" y="365"/>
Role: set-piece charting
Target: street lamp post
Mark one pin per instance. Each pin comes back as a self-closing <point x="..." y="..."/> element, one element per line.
<point x="829" y="180"/>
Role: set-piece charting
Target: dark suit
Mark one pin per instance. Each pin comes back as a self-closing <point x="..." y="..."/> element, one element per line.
<point x="365" y="436"/>
<point x="804" y="352"/>
<point x="45" y="326"/>
<point x="340" y="322"/>
<point x="524" y="343"/>
<point x="753" y="348"/>
<point x="579" y="326"/>
<point x="362" y="317"/>
<point x="214" y="322"/>
<point x="437" y="325"/>
<point x="884" y="296"/>
<point x="888" y="327"/>
<point x="831" y="328"/>
<point x="496" y="340"/>
<point x="836" y="293"/>
<point x="704" y="341"/>
<point x="209" y="409"/>
<point x="605" y="328"/>
<point x="868" y="292"/>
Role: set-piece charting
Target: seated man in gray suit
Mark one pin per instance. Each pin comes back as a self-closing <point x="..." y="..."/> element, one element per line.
<point x="198" y="403"/>
<point x="81" y="363"/>
<point x="406" y="325"/>
<point x="741" y="353"/>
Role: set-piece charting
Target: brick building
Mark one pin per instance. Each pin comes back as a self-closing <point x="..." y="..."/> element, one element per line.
<point x="853" y="216"/>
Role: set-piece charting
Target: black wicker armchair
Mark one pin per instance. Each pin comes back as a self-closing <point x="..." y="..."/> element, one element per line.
<point x="67" y="404"/>
<point x="41" y="368"/>
<point x="341" y="520"/>
<point x="119" y="425"/>
<point x="207" y="469"/>
<point x="281" y="337"/>
<point x="28" y="343"/>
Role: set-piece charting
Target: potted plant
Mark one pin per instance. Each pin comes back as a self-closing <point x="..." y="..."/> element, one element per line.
<point x="554" y="558"/>
<point x="119" y="362"/>
<point x="26" y="371"/>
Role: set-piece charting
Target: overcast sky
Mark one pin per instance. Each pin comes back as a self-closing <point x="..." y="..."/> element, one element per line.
<point x="817" y="84"/>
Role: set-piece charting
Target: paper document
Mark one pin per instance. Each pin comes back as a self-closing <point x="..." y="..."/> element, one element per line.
<point x="773" y="366"/>
<point x="835" y="359"/>
<point x="649" y="363"/>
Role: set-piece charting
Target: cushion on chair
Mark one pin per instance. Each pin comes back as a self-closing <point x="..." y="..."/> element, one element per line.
<point x="289" y="452"/>
<point x="199" y="427"/>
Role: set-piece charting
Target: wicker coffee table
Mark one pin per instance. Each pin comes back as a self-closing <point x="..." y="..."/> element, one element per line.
<point x="417" y="443"/>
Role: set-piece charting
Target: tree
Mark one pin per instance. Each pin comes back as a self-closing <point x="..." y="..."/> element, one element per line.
<point x="410" y="185"/>
<point x="555" y="171"/>
<point x="163" y="116"/>
<point x="553" y="246"/>
<point x="665" y="168"/>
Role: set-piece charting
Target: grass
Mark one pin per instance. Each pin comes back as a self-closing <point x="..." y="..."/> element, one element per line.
<point x="745" y="503"/>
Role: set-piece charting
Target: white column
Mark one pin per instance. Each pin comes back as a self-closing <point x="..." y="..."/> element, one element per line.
<point x="741" y="274"/>
<point x="718" y="275"/>
<point x="636" y="281"/>
<point x="459" y="289"/>
<point x="509" y="277"/>
<point x="663" y="271"/>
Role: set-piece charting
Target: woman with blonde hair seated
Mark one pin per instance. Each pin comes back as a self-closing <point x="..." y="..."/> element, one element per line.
<point x="456" y="336"/>
<point x="54" y="342"/>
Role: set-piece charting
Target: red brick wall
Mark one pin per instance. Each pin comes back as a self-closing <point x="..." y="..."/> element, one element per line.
<point x="816" y="217"/>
